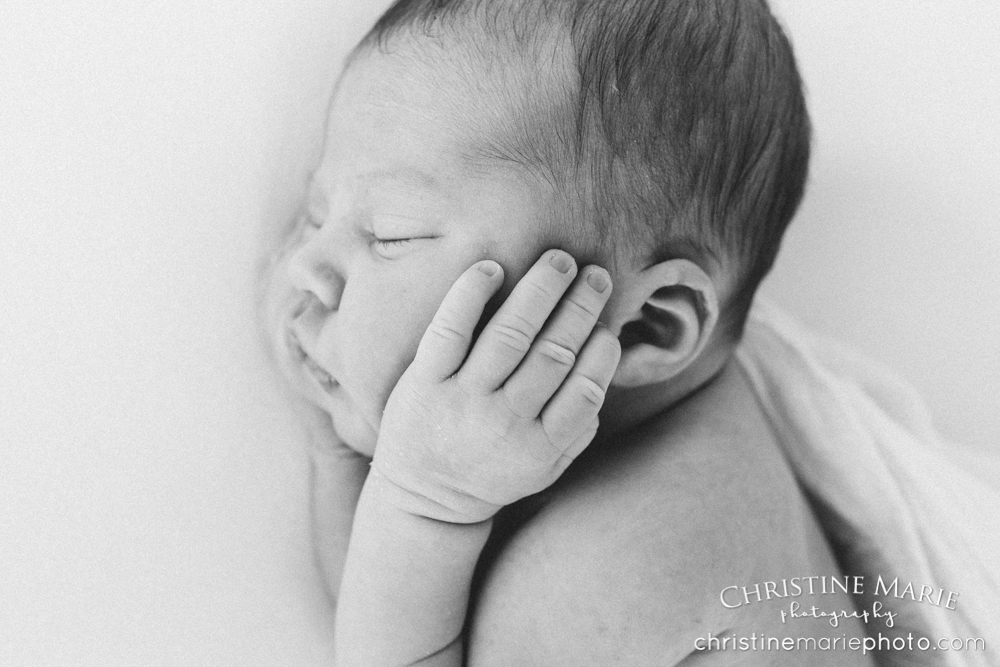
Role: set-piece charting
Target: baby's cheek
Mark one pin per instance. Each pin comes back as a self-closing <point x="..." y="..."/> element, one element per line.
<point x="353" y="431"/>
<point x="371" y="361"/>
<point x="276" y="300"/>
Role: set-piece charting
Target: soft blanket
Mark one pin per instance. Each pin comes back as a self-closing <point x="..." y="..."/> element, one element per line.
<point x="889" y="492"/>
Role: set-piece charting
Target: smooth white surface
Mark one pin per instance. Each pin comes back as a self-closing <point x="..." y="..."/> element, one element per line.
<point x="153" y="491"/>
<point x="897" y="247"/>
<point x="153" y="485"/>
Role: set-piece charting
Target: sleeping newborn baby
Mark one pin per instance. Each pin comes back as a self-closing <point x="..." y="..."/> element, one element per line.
<point x="538" y="226"/>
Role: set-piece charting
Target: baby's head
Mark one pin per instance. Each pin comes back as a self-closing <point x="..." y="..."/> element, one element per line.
<point x="666" y="140"/>
<point x="663" y="128"/>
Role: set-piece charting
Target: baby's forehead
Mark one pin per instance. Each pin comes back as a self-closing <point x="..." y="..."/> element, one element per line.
<point x="416" y="94"/>
<point x="447" y="100"/>
<point x="492" y="82"/>
<point x="479" y="123"/>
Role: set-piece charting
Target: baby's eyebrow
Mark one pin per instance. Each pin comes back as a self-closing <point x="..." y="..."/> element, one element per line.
<point x="405" y="175"/>
<point x="416" y="185"/>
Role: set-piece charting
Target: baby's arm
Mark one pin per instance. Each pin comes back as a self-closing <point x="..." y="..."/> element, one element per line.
<point x="462" y="437"/>
<point x="337" y="474"/>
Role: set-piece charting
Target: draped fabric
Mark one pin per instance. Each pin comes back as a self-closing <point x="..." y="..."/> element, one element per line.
<point x="888" y="490"/>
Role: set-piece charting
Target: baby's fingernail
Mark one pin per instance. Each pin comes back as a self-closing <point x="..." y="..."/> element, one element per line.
<point x="561" y="261"/>
<point x="598" y="280"/>
<point x="489" y="267"/>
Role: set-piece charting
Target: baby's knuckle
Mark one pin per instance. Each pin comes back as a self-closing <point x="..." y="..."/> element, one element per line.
<point x="542" y="290"/>
<point x="459" y="297"/>
<point x="582" y="309"/>
<point x="553" y="444"/>
<point x="522" y="323"/>
<point x="513" y="403"/>
<point x="466" y="290"/>
<point x="446" y="330"/>
<point x="512" y="336"/>
<point x="565" y="336"/>
<point x="557" y="352"/>
<point x="591" y="391"/>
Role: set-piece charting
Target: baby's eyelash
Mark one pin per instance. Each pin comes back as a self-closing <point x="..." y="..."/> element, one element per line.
<point x="392" y="243"/>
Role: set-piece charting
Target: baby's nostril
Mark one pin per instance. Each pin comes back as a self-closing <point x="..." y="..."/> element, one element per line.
<point x="305" y="301"/>
<point x="294" y="346"/>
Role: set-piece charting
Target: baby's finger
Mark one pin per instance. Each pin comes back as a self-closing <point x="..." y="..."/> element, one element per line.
<point x="581" y="396"/>
<point x="577" y="446"/>
<point x="505" y="340"/>
<point x="446" y="341"/>
<point x="555" y="350"/>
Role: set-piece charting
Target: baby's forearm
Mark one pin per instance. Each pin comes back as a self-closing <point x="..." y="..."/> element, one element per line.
<point x="336" y="479"/>
<point x="406" y="584"/>
<point x="336" y="476"/>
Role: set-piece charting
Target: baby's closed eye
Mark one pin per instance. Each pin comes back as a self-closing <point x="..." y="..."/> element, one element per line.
<point x="390" y="248"/>
<point x="394" y="235"/>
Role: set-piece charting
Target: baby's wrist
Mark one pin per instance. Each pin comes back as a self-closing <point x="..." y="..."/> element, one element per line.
<point x="408" y="493"/>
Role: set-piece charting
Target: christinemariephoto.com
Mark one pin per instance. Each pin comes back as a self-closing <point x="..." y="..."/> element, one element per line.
<point x="798" y="598"/>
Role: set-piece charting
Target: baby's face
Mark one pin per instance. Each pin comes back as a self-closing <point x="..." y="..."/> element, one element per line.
<point x="397" y="210"/>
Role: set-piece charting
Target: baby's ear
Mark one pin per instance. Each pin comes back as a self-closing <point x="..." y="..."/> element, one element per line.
<point x="667" y="319"/>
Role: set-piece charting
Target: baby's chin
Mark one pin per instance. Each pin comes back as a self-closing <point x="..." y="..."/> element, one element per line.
<point x="336" y="435"/>
<point x="355" y="433"/>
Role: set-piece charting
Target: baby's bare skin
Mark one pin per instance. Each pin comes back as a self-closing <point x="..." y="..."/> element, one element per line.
<point x="577" y="572"/>
<point x="627" y="557"/>
<point x="623" y="561"/>
<point x="470" y="427"/>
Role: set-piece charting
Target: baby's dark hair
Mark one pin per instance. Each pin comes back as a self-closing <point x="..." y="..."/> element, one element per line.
<point x="684" y="135"/>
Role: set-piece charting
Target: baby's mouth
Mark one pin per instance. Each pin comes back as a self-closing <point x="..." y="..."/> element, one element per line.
<point x="324" y="379"/>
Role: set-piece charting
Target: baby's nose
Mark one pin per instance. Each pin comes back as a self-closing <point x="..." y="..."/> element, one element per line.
<point x="309" y="272"/>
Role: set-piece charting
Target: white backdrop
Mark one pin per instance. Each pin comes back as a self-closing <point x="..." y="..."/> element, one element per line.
<point x="897" y="247"/>
<point x="153" y="486"/>
<point x="153" y="491"/>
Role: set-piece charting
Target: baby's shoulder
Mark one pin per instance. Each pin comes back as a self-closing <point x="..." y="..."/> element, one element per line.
<point x="624" y="560"/>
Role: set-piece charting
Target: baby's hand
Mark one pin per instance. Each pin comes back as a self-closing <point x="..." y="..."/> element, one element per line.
<point x="465" y="433"/>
